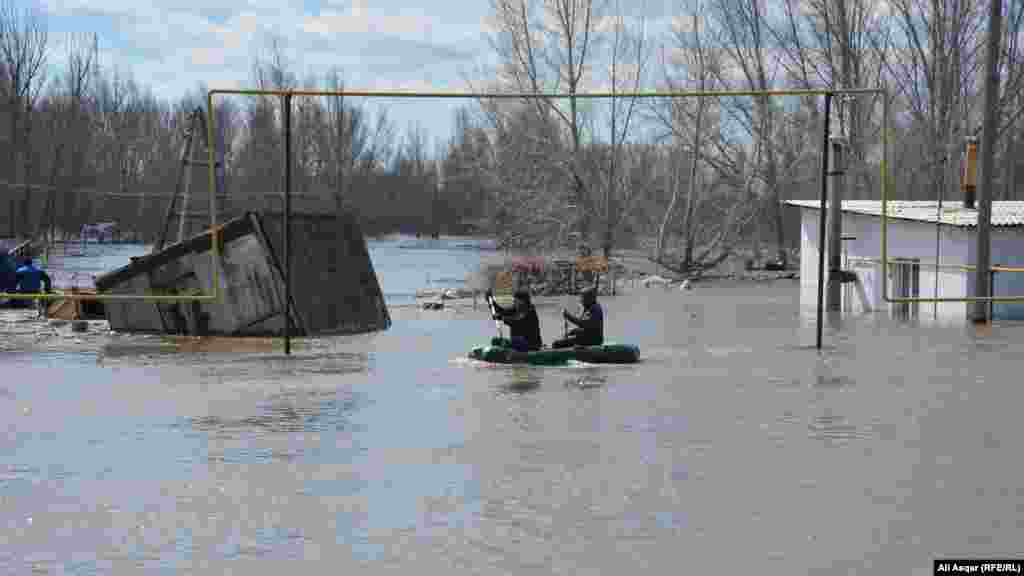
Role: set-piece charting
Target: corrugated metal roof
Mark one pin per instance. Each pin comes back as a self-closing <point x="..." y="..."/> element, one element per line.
<point x="1004" y="212"/>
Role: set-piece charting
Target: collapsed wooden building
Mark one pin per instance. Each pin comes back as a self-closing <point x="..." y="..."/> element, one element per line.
<point x="331" y="281"/>
<point x="334" y="289"/>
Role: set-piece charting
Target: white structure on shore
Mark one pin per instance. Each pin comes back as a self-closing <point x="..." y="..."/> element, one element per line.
<point x="915" y="234"/>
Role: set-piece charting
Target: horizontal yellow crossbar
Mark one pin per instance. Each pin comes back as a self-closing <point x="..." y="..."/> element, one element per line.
<point x="960" y="267"/>
<point x="101" y="297"/>
<point x="544" y="95"/>
<point x="962" y="299"/>
<point x="211" y="164"/>
<point x="933" y="265"/>
<point x="87" y="297"/>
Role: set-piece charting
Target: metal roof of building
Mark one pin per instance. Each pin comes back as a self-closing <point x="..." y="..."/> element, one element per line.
<point x="1004" y="212"/>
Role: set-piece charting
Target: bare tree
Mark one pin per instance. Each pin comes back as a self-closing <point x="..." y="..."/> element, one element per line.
<point x="830" y="43"/>
<point x="745" y="36"/>
<point x="356" y="143"/>
<point x="261" y="169"/>
<point x="119" y="110"/>
<point x="76" y="87"/>
<point x="933" y="63"/>
<point x="546" y="46"/>
<point x="1014" y="95"/>
<point x="23" y="51"/>
<point x="525" y="178"/>
<point x="627" y="62"/>
<point x="465" y="166"/>
<point x="711" y="221"/>
<point x="52" y="114"/>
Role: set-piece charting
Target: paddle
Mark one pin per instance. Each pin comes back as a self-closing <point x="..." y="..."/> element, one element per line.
<point x="494" y="312"/>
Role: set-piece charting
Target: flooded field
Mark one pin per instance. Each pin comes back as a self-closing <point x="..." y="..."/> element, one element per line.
<point x="733" y="446"/>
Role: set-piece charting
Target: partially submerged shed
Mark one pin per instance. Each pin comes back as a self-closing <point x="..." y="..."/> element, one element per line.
<point x="334" y="289"/>
<point x="931" y="254"/>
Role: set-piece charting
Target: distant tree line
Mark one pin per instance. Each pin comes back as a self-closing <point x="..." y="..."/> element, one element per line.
<point x="691" y="179"/>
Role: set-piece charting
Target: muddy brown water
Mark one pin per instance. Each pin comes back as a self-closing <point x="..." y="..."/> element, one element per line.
<point x="733" y="446"/>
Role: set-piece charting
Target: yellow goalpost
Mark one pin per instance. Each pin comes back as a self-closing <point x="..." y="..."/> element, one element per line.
<point x="215" y="230"/>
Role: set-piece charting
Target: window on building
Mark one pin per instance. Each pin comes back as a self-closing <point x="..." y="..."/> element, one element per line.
<point x="905" y="275"/>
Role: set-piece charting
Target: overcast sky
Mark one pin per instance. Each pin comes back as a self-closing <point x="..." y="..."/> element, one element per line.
<point x="170" y="46"/>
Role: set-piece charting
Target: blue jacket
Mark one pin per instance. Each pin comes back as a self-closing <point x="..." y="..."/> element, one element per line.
<point x="32" y="279"/>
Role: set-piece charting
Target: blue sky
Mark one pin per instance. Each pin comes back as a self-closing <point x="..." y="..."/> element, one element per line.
<point x="171" y="46"/>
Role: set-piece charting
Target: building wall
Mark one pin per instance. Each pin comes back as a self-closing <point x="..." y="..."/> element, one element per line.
<point x="1007" y="250"/>
<point x="907" y="239"/>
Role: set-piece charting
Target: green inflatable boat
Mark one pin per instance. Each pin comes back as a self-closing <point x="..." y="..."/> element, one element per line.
<point x="499" y="351"/>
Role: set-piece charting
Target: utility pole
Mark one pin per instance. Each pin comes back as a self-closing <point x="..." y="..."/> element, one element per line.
<point x="821" y="220"/>
<point x="983" y="255"/>
<point x="287" y="223"/>
<point x="835" y="237"/>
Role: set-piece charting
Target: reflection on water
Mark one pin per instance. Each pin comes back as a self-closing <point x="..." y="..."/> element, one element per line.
<point x="289" y="412"/>
<point x="586" y="382"/>
<point x="833" y="381"/>
<point x="522" y="380"/>
<point x="836" y="429"/>
<point x="217" y="358"/>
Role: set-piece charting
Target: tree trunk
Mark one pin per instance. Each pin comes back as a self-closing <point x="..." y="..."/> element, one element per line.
<point x="659" y="250"/>
<point x="27" y="172"/>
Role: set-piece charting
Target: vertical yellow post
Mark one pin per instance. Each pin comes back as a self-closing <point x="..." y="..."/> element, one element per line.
<point x="885" y="196"/>
<point x="214" y="233"/>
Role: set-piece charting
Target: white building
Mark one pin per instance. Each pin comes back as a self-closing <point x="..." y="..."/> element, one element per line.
<point x="915" y="236"/>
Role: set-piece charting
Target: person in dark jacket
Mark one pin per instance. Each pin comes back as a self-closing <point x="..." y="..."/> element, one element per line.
<point x="8" y="279"/>
<point x="523" y="323"/>
<point x="8" y="273"/>
<point x="32" y="280"/>
<point x="589" y="324"/>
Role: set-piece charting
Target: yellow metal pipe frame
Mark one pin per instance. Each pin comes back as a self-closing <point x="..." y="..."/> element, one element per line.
<point x="545" y="95"/>
<point x="211" y="131"/>
<point x="932" y="265"/>
<point x="101" y="297"/>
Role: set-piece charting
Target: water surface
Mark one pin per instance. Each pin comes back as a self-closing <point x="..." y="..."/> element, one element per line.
<point x="733" y="440"/>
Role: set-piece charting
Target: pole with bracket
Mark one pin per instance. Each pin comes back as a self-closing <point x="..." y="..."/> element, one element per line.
<point x="835" y="236"/>
<point x="987" y="153"/>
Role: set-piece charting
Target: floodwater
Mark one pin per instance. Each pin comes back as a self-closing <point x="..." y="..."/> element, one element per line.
<point x="734" y="446"/>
